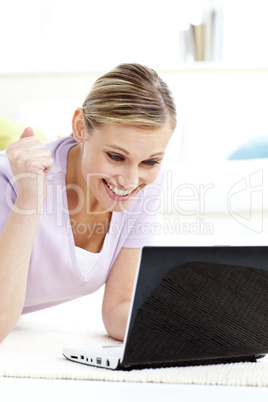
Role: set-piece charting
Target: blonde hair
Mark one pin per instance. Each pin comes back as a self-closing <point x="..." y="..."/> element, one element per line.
<point x="130" y="94"/>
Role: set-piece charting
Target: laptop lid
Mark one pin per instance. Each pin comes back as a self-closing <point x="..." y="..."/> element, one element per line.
<point x="198" y="304"/>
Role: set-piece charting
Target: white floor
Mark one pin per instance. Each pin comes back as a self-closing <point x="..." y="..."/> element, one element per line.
<point x="32" y="390"/>
<point x="39" y="390"/>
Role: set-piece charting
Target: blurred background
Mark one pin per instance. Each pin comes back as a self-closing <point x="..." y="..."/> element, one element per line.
<point x="213" y="55"/>
<point x="90" y="35"/>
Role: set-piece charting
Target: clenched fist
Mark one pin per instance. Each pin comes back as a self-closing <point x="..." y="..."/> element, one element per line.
<point x="30" y="161"/>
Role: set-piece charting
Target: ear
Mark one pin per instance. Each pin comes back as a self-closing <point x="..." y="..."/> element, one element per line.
<point x="78" y="125"/>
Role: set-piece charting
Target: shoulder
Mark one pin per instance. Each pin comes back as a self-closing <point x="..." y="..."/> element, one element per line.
<point x="8" y="188"/>
<point x="60" y="144"/>
<point x="5" y="170"/>
<point x="59" y="150"/>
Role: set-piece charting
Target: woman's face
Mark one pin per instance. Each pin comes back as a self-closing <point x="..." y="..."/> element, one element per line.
<point x="118" y="161"/>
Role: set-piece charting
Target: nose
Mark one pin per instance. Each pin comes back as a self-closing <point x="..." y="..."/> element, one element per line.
<point x="129" y="178"/>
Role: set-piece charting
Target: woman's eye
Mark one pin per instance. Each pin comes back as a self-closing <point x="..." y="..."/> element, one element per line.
<point x="150" y="162"/>
<point x="115" y="157"/>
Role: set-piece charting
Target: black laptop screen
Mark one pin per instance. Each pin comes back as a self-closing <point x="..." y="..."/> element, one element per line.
<point x="199" y="303"/>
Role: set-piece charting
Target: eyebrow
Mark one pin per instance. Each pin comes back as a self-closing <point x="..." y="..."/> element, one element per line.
<point x="127" y="153"/>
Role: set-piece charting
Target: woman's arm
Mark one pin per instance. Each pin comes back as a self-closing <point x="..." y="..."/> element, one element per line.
<point x="29" y="160"/>
<point x="118" y="292"/>
<point x="16" y="242"/>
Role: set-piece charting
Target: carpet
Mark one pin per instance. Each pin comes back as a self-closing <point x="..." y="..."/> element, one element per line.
<point x="34" y="350"/>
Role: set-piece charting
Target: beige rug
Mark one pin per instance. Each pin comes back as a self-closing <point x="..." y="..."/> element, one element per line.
<point x="34" y="349"/>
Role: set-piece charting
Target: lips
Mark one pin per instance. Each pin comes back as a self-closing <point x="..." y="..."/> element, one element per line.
<point x="116" y="193"/>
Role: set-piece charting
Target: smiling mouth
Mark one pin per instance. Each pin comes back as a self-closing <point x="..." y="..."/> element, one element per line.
<point x="117" y="191"/>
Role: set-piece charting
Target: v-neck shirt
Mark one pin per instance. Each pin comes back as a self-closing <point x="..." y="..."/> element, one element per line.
<point x="57" y="272"/>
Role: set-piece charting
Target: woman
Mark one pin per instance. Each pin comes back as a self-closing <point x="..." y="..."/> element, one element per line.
<point x="73" y="210"/>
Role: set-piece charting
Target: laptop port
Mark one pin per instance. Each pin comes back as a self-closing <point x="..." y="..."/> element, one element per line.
<point x="98" y="360"/>
<point x="82" y="357"/>
<point x="108" y="363"/>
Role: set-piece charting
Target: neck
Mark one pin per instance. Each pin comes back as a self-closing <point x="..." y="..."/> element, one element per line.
<point x="79" y="195"/>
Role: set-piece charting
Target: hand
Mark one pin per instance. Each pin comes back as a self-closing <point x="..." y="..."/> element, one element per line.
<point x="30" y="161"/>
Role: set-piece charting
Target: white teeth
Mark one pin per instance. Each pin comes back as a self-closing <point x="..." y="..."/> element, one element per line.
<point x="121" y="193"/>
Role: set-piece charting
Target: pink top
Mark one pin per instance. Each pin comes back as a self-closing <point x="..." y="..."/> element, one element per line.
<point x="54" y="275"/>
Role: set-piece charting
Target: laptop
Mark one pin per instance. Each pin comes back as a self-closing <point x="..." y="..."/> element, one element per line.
<point x="191" y="305"/>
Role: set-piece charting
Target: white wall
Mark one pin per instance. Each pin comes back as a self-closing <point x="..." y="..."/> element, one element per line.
<point x="218" y="107"/>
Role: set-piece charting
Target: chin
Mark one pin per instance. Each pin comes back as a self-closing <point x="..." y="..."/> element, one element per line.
<point x="117" y="206"/>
